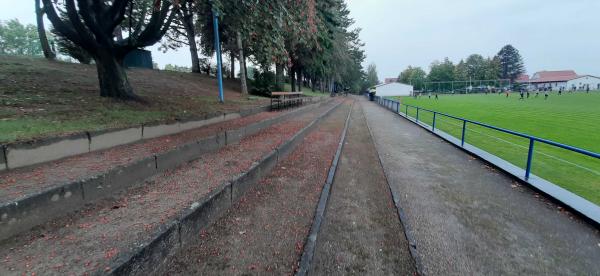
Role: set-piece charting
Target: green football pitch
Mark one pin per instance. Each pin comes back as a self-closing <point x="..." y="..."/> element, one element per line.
<point x="570" y="118"/>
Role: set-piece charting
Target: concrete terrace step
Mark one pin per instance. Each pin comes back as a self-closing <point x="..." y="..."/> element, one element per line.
<point x="33" y="195"/>
<point x="264" y="232"/>
<point x="140" y="226"/>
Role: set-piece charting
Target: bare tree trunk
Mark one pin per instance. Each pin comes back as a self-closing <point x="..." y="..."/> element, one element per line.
<point x="313" y="82"/>
<point x="39" y="12"/>
<point x="232" y="65"/>
<point x="279" y="77"/>
<point x="292" y="73"/>
<point x="299" y="86"/>
<point x="112" y="77"/>
<point x="321" y="85"/>
<point x="190" y="31"/>
<point x="242" y="58"/>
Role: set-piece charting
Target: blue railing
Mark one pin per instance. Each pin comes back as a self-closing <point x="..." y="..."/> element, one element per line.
<point x="396" y="106"/>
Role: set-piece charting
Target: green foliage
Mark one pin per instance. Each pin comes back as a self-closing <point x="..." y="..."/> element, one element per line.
<point x="414" y="76"/>
<point x="263" y="83"/>
<point x="511" y="63"/>
<point x="19" y="39"/>
<point x="441" y="71"/>
<point x="177" y="68"/>
<point x="372" y="78"/>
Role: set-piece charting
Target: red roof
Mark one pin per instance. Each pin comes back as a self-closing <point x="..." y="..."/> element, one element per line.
<point x="553" y="76"/>
<point x="523" y="78"/>
<point x="390" y="80"/>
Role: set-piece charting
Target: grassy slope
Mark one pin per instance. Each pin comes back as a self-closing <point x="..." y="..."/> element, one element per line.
<point x="572" y="118"/>
<point x="40" y="98"/>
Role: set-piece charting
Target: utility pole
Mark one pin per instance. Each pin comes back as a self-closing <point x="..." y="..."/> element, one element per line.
<point x="218" y="52"/>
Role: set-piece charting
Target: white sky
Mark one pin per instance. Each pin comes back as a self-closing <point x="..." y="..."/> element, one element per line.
<point x="550" y="34"/>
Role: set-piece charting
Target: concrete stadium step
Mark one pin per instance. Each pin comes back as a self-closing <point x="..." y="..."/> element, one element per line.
<point x="141" y="225"/>
<point x="264" y="232"/>
<point x="33" y="195"/>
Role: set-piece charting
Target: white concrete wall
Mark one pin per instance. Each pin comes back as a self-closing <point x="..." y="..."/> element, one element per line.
<point x="582" y="82"/>
<point x="394" y="89"/>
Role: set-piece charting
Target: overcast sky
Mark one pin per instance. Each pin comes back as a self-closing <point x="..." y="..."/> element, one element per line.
<point x="550" y="34"/>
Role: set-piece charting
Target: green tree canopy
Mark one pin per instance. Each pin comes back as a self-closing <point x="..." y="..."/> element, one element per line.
<point x="372" y="78"/>
<point x="511" y="63"/>
<point x="19" y="39"/>
<point x="415" y="76"/>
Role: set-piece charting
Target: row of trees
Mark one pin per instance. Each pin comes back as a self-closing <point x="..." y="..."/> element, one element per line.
<point x="310" y="40"/>
<point x="19" y="39"/>
<point x="506" y="65"/>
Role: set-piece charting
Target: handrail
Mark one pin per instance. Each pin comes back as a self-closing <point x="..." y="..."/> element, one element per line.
<point x="520" y="134"/>
<point x="532" y="139"/>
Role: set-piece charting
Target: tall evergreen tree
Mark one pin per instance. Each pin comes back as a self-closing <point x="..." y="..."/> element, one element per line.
<point x="511" y="63"/>
<point x="372" y="78"/>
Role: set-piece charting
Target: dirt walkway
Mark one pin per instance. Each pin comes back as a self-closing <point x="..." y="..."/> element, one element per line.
<point x="264" y="233"/>
<point x="361" y="233"/>
<point x="466" y="218"/>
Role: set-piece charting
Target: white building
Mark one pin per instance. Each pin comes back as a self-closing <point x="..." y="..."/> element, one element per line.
<point x="554" y="80"/>
<point x="393" y="89"/>
<point x="583" y="82"/>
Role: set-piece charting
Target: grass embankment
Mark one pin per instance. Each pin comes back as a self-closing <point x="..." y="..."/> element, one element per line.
<point x="571" y="118"/>
<point x="41" y="98"/>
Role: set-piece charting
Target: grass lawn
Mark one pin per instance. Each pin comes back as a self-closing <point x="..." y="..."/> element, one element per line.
<point x="40" y="98"/>
<point x="571" y="118"/>
<point x="307" y="91"/>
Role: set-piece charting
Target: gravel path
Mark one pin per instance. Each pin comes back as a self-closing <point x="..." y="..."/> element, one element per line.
<point x="264" y="233"/>
<point x="21" y="182"/>
<point x="361" y="233"/>
<point x="467" y="218"/>
<point x="95" y="237"/>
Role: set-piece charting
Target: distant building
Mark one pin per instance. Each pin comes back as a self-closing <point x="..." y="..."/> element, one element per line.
<point x="567" y="79"/>
<point x="138" y="58"/>
<point x="390" y="80"/>
<point x="393" y="89"/>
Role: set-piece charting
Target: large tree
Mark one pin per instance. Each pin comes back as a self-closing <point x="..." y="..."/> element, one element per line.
<point x="414" y="76"/>
<point x="183" y="32"/>
<point x="511" y="63"/>
<point x="475" y="65"/>
<point x="91" y="25"/>
<point x="441" y="72"/>
<point x="19" y="39"/>
<point x="372" y="78"/>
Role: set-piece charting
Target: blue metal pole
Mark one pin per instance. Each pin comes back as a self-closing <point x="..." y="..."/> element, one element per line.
<point x="417" y="114"/>
<point x="529" y="158"/>
<point x="462" y="140"/>
<point x="433" y="125"/>
<point x="219" y="58"/>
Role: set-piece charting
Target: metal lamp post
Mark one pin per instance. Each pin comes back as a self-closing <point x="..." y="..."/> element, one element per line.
<point x="218" y="51"/>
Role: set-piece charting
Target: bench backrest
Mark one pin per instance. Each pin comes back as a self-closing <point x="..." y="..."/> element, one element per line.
<point x="285" y="93"/>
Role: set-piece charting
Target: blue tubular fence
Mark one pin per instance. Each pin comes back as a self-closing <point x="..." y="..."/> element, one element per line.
<point x="583" y="208"/>
<point x="532" y="139"/>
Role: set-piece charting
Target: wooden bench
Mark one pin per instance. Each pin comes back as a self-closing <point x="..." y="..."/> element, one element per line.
<point x="281" y="100"/>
